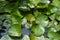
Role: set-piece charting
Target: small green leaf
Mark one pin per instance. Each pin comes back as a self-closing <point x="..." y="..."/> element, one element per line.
<point x="39" y="28"/>
<point x="15" y="30"/>
<point x="54" y="35"/>
<point x="56" y="3"/>
<point x="42" y="20"/>
<point x="33" y="37"/>
<point x="30" y="18"/>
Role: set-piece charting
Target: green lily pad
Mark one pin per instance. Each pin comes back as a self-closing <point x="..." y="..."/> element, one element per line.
<point x="54" y="35"/>
<point x="54" y="9"/>
<point x="42" y="20"/>
<point x="39" y="28"/>
<point x="56" y="3"/>
<point x="30" y="18"/>
<point x="15" y="30"/>
<point x="32" y="37"/>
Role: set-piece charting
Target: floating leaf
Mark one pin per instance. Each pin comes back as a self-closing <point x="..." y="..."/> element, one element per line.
<point x="42" y="20"/>
<point x="30" y="18"/>
<point x="39" y="28"/>
<point x="56" y="3"/>
<point x="54" y="35"/>
<point x="32" y="37"/>
<point x="15" y="30"/>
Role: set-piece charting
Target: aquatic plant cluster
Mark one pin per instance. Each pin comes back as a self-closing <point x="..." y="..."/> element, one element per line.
<point x="29" y="19"/>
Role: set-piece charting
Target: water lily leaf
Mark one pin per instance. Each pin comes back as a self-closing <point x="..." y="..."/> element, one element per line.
<point x="42" y="20"/>
<point x="32" y="37"/>
<point x="30" y="18"/>
<point x="54" y="9"/>
<point x="39" y="28"/>
<point x="15" y="30"/>
<point x="56" y="3"/>
<point x="16" y="16"/>
<point x="6" y="37"/>
<point x="16" y="13"/>
<point x="54" y="35"/>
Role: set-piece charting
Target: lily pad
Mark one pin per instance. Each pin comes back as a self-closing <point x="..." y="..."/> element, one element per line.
<point x="15" y="30"/>
<point x="54" y="35"/>
<point x="56" y="3"/>
<point x="39" y="28"/>
<point x="42" y="20"/>
<point x="32" y="37"/>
